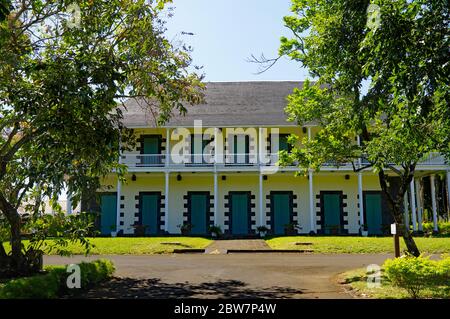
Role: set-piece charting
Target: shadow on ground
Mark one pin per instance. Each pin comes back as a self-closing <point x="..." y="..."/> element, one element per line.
<point x="132" y="288"/>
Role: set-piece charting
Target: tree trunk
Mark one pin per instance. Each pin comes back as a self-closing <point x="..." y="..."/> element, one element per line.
<point x="395" y="209"/>
<point x="17" y="261"/>
<point x="410" y="243"/>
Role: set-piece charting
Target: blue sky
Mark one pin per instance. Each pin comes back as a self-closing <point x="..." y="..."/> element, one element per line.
<point x="227" y="32"/>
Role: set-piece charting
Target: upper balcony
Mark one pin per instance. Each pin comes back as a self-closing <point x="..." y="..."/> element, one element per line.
<point x="240" y="162"/>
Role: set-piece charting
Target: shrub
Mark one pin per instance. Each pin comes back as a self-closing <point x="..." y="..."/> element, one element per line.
<point x="417" y="273"/>
<point x="443" y="228"/>
<point x="52" y="284"/>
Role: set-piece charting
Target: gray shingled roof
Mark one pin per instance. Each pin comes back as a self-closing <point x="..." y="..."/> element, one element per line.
<point x="227" y="104"/>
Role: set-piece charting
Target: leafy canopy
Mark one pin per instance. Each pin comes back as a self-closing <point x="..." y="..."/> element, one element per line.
<point x="388" y="84"/>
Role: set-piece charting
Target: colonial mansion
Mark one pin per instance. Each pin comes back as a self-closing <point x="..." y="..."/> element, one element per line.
<point x="218" y="165"/>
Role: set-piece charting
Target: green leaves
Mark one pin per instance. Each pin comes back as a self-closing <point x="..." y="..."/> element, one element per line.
<point x="400" y="114"/>
<point x="62" y="85"/>
<point x="414" y="274"/>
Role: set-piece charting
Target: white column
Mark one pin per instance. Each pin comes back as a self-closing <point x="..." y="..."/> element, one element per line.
<point x="448" y="190"/>
<point x="361" y="200"/>
<point x="216" y="198"/>
<point x="167" y="147"/>
<point x="360" y="188"/>
<point x="413" y="205"/>
<point x="261" y="194"/>
<point x="419" y="205"/>
<point x="312" y="215"/>
<point x="166" y="203"/>
<point x="433" y="202"/>
<point x="406" y="210"/>
<point x="119" y="193"/>
<point x="260" y="146"/>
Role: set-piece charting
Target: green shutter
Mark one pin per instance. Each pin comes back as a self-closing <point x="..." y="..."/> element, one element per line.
<point x="373" y="213"/>
<point x="150" y="204"/>
<point x="108" y="217"/>
<point x="283" y="144"/>
<point x="332" y="212"/>
<point x="281" y="213"/>
<point x="151" y="147"/>
<point x="239" y="213"/>
<point x="199" y="204"/>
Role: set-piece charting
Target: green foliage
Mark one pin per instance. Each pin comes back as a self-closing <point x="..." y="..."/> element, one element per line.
<point x="61" y="93"/>
<point x="404" y="115"/>
<point x="95" y="272"/>
<point x="386" y="85"/>
<point x="443" y="228"/>
<point x="414" y="274"/>
<point x="216" y="229"/>
<point x="63" y="229"/>
<point x="52" y="284"/>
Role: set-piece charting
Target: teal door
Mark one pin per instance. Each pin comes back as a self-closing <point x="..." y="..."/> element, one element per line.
<point x="149" y="211"/>
<point x="373" y="213"/>
<point x="152" y="150"/>
<point x="331" y="213"/>
<point x="198" y="211"/>
<point x="281" y="214"/>
<point x="240" y="203"/>
<point x="108" y="214"/>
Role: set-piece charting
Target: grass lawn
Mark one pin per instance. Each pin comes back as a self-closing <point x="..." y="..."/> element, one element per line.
<point x="358" y="245"/>
<point x="356" y="282"/>
<point x="139" y="245"/>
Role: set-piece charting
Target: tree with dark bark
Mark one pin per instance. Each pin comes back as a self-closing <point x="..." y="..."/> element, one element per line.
<point x="380" y="74"/>
<point x="65" y="68"/>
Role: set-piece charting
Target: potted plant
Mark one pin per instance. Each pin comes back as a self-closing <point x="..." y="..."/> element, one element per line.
<point x="215" y="230"/>
<point x="291" y="228"/>
<point x="262" y="230"/>
<point x="113" y="230"/>
<point x="364" y="231"/>
<point x="139" y="230"/>
<point x="185" y="229"/>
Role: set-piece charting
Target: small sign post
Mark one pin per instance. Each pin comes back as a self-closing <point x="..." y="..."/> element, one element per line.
<point x="394" y="231"/>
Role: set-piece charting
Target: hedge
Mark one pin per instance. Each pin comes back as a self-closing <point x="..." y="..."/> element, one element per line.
<point x="443" y="228"/>
<point x="414" y="274"/>
<point x="52" y="284"/>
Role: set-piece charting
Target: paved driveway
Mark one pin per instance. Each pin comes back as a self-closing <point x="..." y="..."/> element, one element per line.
<point x="253" y="275"/>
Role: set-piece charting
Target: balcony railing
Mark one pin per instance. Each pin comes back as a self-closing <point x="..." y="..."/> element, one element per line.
<point x="234" y="160"/>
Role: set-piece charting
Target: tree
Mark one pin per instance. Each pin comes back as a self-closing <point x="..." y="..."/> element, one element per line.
<point x="65" y="68"/>
<point x="381" y="73"/>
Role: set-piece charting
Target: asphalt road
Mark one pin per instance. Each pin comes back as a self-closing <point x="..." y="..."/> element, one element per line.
<point x="254" y="275"/>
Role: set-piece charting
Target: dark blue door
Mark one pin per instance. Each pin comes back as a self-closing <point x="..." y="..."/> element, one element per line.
<point x="240" y="203"/>
<point x="108" y="217"/>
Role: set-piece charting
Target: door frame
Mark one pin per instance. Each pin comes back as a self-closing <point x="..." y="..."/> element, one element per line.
<point x="272" y="211"/>
<point x="158" y="212"/>
<point x="208" y="208"/>
<point x="381" y="207"/>
<point x="249" y="210"/>
<point x="99" y="220"/>
<point x="341" y="210"/>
